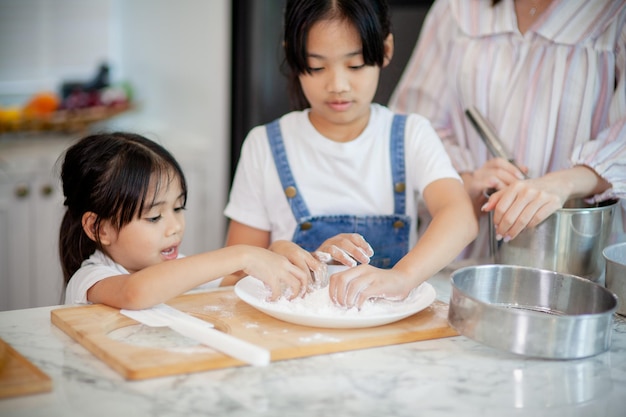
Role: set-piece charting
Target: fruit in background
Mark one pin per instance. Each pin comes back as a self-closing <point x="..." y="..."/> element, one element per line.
<point x="113" y="96"/>
<point x="41" y="105"/>
<point x="10" y="117"/>
<point x="79" y="94"/>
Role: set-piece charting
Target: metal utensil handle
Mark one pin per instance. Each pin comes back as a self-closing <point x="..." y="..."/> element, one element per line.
<point x="489" y="136"/>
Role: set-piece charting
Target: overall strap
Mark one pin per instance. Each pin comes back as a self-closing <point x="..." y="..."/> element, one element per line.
<point x="296" y="202"/>
<point x="397" y="163"/>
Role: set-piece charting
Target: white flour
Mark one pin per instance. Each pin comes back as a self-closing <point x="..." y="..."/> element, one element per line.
<point x="318" y="303"/>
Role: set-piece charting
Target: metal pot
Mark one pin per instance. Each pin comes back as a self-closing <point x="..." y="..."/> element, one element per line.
<point x="570" y="241"/>
<point x="532" y="312"/>
<point x="615" y="277"/>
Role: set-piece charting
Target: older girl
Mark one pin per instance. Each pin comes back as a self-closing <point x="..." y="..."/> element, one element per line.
<point x="341" y="175"/>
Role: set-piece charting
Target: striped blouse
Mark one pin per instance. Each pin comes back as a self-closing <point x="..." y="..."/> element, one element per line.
<point x="556" y="95"/>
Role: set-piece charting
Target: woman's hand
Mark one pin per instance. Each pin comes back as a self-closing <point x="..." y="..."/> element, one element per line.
<point x="525" y="204"/>
<point x="496" y="173"/>
<point x="354" y="286"/>
<point x="347" y="249"/>
<point x="277" y="272"/>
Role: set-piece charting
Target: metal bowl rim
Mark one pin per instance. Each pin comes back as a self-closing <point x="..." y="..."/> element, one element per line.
<point x="603" y="205"/>
<point x="532" y="313"/>
<point x="613" y="247"/>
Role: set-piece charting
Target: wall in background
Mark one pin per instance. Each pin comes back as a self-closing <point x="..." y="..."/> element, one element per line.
<point x="176" y="56"/>
<point x="43" y="42"/>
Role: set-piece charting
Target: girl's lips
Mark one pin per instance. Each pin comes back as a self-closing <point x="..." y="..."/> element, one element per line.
<point x="340" y="105"/>
<point x="170" y="253"/>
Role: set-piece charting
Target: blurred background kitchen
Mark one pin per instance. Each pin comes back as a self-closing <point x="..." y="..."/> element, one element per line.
<point x="194" y="75"/>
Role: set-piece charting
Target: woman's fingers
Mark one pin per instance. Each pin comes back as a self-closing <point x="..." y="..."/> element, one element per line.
<point x="520" y="206"/>
<point x="496" y="173"/>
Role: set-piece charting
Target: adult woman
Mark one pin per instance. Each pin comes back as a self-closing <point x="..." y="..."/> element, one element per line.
<point x="550" y="75"/>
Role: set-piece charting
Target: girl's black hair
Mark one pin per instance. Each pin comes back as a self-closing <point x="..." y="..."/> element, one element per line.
<point x="369" y="17"/>
<point x="109" y="174"/>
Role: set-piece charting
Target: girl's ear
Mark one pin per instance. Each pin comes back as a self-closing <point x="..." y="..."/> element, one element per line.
<point x="388" y="45"/>
<point x="89" y="224"/>
<point x="89" y="227"/>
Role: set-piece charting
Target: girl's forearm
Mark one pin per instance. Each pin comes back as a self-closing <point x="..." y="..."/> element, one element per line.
<point x="449" y="232"/>
<point x="161" y="282"/>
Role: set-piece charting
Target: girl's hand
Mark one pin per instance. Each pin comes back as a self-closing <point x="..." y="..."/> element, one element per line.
<point x="354" y="286"/>
<point x="300" y="258"/>
<point x="277" y="272"/>
<point x="524" y="204"/>
<point x="348" y="249"/>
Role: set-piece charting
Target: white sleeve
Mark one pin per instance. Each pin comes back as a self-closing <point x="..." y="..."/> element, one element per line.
<point x="246" y="203"/>
<point x="85" y="278"/>
<point x="425" y="147"/>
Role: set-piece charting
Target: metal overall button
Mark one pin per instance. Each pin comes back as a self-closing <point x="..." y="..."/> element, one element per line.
<point x="290" y="191"/>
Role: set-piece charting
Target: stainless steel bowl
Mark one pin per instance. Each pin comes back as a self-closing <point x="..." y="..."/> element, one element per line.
<point x="570" y="241"/>
<point x="615" y="276"/>
<point x="532" y="312"/>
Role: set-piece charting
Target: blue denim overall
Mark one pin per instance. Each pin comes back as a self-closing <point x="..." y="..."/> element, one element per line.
<point x="387" y="234"/>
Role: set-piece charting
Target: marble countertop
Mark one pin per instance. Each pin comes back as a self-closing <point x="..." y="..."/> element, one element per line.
<point x="445" y="377"/>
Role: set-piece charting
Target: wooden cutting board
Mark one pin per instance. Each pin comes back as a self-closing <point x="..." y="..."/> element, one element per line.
<point x="19" y="376"/>
<point x="90" y="325"/>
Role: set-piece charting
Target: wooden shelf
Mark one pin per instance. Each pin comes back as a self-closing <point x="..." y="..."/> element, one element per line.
<point x="65" y="121"/>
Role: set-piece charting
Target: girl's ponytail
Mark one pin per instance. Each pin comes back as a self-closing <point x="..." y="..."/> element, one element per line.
<point x="74" y="245"/>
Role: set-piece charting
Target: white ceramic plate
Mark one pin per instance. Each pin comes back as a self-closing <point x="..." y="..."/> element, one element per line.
<point x="322" y="313"/>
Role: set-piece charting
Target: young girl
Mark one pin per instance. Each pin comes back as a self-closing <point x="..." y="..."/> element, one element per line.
<point x="119" y="239"/>
<point x="343" y="172"/>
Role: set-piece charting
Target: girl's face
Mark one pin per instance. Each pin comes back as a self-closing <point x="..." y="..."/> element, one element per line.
<point x="340" y="87"/>
<point x="154" y="236"/>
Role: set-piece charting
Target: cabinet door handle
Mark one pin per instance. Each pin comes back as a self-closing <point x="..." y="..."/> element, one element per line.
<point x="46" y="190"/>
<point x="22" y="191"/>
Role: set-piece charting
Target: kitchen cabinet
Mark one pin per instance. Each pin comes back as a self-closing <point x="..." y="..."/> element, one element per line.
<point x="31" y="208"/>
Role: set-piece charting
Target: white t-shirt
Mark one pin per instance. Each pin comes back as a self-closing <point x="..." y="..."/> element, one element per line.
<point x="96" y="268"/>
<point x="334" y="178"/>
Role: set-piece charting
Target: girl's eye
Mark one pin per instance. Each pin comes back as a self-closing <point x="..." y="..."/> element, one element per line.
<point x="154" y="219"/>
<point x="179" y="209"/>
<point x="357" y="67"/>
<point x="315" y="69"/>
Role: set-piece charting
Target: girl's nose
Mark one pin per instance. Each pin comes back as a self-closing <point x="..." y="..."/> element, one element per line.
<point x="176" y="225"/>
<point x="338" y="82"/>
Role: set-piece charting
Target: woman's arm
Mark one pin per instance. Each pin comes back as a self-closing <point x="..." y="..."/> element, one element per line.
<point x="527" y="203"/>
<point x="598" y="170"/>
